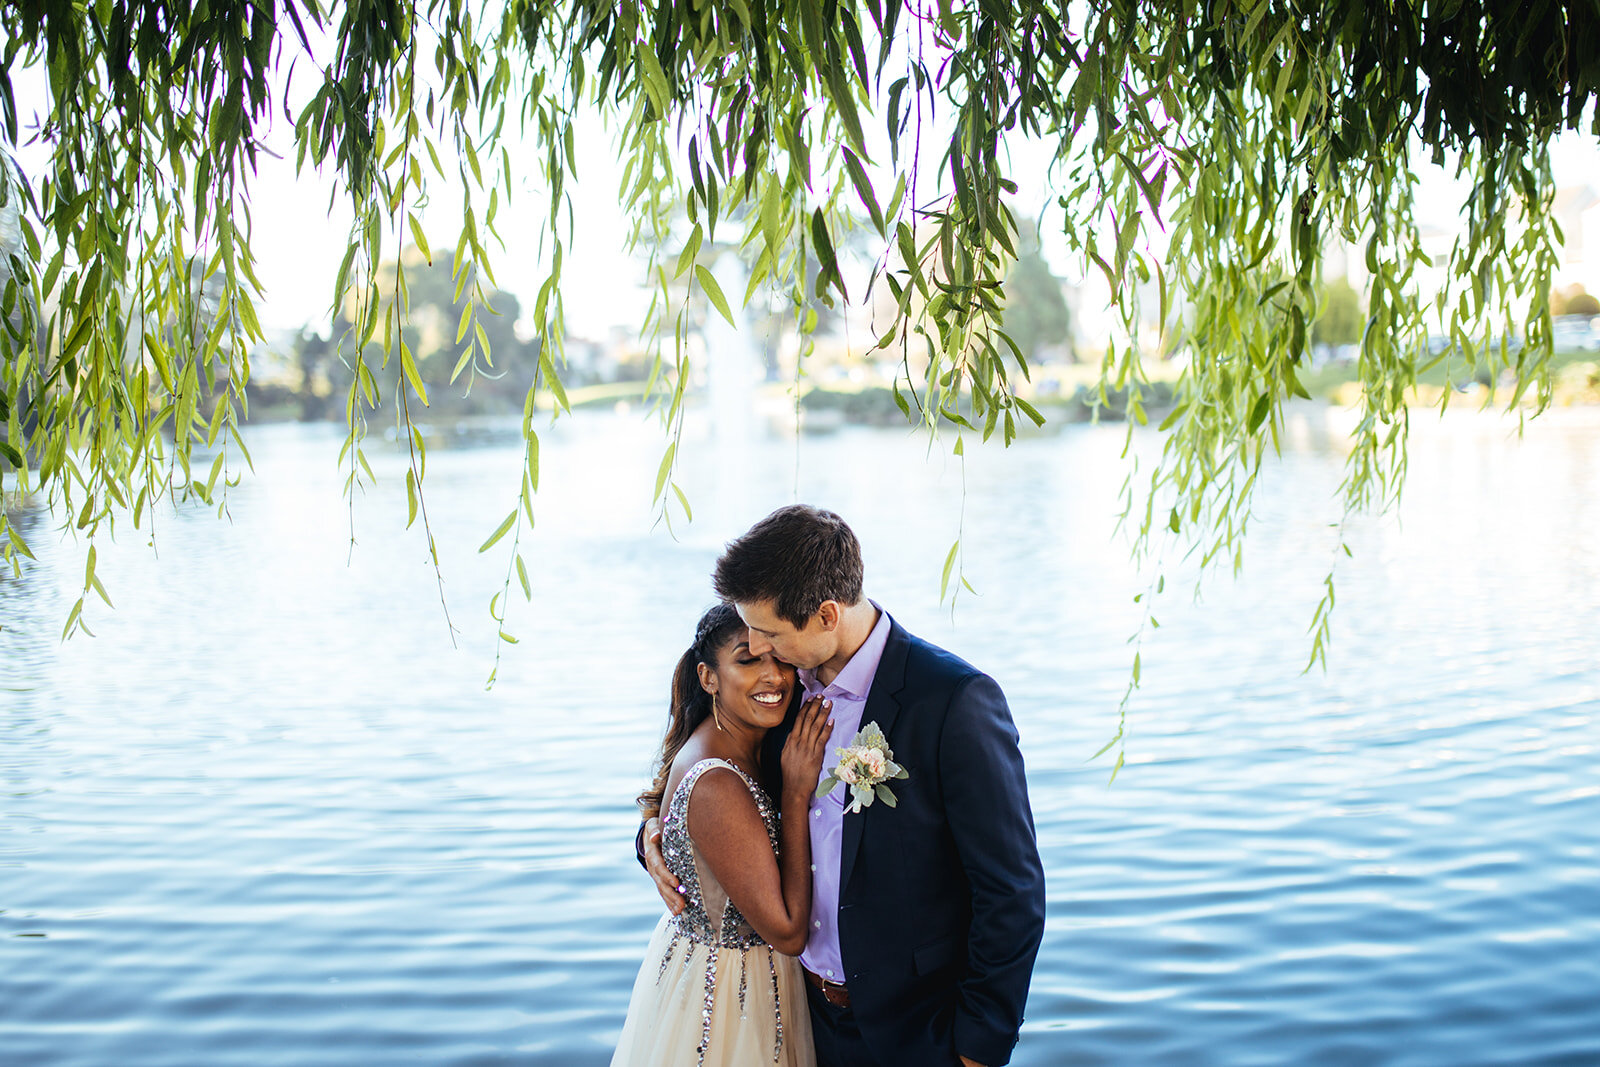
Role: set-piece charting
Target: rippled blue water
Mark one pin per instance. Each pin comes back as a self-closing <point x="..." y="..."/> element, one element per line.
<point x="269" y="815"/>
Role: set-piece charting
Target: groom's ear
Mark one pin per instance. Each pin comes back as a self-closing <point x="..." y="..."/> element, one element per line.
<point x="828" y="614"/>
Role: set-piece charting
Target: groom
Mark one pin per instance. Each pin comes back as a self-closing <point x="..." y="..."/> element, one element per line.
<point x="926" y="915"/>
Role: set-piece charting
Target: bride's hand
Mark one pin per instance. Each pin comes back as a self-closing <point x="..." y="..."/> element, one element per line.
<point x="804" y="750"/>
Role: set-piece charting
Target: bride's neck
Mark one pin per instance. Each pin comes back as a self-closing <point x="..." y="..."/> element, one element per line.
<point x="734" y="741"/>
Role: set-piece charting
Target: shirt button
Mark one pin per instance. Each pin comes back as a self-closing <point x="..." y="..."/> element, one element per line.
<point x="818" y="925"/>
<point x="830" y="974"/>
<point x="817" y="814"/>
<point x="813" y="866"/>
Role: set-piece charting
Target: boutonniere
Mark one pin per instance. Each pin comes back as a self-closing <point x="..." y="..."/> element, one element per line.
<point x="864" y="766"/>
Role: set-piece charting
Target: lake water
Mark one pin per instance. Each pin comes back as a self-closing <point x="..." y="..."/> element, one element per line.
<point x="269" y="815"/>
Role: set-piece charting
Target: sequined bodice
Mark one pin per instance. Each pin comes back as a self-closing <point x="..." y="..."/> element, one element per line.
<point x="711" y="926"/>
<point x="711" y="917"/>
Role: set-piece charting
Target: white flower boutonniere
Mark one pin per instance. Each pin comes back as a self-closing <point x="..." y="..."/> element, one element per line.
<point x="864" y="766"/>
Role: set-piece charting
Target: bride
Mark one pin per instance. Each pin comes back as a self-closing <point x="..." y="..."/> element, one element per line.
<point x="720" y="984"/>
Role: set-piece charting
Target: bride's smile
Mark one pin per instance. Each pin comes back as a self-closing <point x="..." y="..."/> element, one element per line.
<point x="753" y="689"/>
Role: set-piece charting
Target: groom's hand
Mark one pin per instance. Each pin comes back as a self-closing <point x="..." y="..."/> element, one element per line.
<point x="654" y="862"/>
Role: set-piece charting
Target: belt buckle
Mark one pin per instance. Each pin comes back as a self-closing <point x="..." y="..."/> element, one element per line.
<point x="834" y="993"/>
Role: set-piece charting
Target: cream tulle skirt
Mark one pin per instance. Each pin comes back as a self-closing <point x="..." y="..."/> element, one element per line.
<point x="667" y="1015"/>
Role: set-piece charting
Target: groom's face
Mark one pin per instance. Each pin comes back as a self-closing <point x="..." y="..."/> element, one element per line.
<point x="807" y="646"/>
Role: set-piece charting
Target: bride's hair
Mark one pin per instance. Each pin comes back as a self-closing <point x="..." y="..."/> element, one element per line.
<point x="691" y="704"/>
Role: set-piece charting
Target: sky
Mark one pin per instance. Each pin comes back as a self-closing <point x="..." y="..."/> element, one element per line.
<point x="300" y="256"/>
<point x="299" y="242"/>
<point x="300" y="248"/>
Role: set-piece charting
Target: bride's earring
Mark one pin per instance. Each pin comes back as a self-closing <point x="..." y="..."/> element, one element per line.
<point x="714" y="716"/>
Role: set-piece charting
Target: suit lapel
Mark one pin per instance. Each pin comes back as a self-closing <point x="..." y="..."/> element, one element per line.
<point x="882" y="707"/>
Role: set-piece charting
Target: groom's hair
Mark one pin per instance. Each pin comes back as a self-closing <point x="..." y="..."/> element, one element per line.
<point x="796" y="557"/>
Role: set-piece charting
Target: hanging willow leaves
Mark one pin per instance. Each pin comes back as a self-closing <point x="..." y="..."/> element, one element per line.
<point x="1203" y="158"/>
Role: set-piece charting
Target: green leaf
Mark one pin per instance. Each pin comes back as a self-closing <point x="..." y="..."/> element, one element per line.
<point x="714" y="293"/>
<point x="72" y="617"/>
<point x="825" y="255"/>
<point x="409" y="365"/>
<point x="1151" y="197"/>
<point x="1029" y="410"/>
<point x="1271" y="291"/>
<point x="79" y="335"/>
<point x="533" y="460"/>
<point x="655" y="79"/>
<point x="1106" y="747"/>
<point x="665" y="469"/>
<point x="500" y="531"/>
<point x="858" y="178"/>
<point x="522" y="576"/>
<point x="949" y="565"/>
<point x="552" y="380"/>
<point x="690" y="249"/>
<point x="844" y="102"/>
<point x="422" y="241"/>
<point x="1258" y="413"/>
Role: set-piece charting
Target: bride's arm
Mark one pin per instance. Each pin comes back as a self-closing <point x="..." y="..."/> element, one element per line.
<point x="773" y="896"/>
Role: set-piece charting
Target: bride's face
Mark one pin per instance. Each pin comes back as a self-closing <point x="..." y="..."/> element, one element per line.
<point x="753" y="689"/>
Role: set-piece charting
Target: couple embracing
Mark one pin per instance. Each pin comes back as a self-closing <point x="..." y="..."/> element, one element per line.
<point x="840" y="827"/>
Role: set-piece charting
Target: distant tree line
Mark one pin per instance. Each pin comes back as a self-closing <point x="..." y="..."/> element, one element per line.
<point x="459" y="376"/>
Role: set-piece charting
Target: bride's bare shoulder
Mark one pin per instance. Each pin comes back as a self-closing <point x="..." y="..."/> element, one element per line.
<point x="691" y="753"/>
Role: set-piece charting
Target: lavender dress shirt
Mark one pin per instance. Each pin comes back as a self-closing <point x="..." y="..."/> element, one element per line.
<point x="848" y="691"/>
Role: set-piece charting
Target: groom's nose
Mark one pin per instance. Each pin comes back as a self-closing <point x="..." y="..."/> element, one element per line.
<point x="759" y="646"/>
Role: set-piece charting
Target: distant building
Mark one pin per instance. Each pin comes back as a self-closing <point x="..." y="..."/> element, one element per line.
<point x="1577" y="212"/>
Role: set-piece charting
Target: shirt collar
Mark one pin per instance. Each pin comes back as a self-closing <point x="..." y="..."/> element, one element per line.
<point x="856" y="677"/>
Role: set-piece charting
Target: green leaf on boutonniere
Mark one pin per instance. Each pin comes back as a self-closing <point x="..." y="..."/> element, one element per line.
<point x="865" y="765"/>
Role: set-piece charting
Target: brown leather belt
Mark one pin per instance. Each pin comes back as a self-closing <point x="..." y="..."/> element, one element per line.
<point x="833" y="992"/>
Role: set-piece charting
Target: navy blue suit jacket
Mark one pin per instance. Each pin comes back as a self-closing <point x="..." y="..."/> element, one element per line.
<point x="942" y="896"/>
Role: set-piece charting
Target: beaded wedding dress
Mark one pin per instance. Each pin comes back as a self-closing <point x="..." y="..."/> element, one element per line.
<point x="711" y="993"/>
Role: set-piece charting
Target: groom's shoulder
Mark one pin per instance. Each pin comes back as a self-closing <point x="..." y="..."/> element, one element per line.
<point x="935" y="666"/>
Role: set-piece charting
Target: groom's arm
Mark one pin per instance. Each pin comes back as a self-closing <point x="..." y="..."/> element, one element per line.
<point x="647" y="849"/>
<point x="986" y="802"/>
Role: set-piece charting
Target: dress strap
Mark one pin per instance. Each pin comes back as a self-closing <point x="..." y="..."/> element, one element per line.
<point x="692" y="775"/>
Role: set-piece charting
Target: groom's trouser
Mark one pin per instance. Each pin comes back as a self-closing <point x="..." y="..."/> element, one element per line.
<point x="836" y="1034"/>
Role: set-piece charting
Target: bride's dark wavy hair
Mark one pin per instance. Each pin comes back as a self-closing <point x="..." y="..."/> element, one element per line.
<point x="691" y="704"/>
